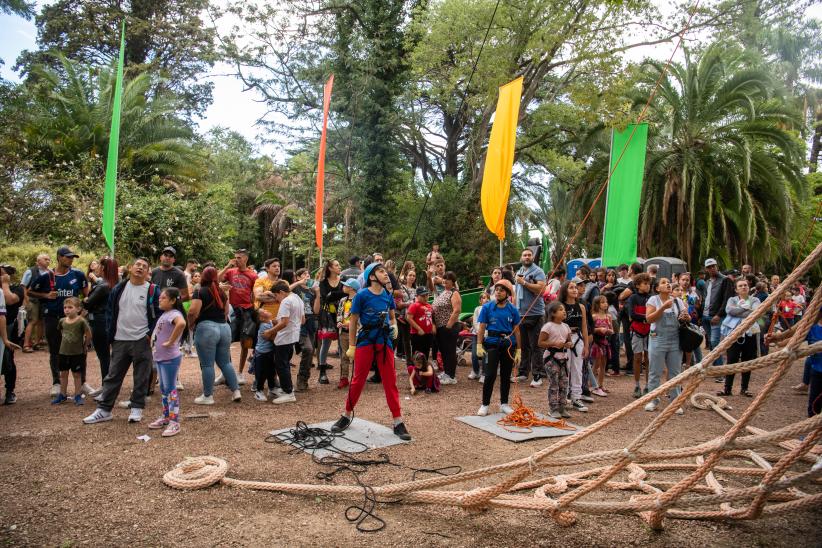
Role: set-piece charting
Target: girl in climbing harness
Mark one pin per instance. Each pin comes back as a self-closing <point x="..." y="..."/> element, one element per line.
<point x="576" y="316"/>
<point x="373" y="309"/>
<point x="555" y="338"/>
<point x="498" y="322"/>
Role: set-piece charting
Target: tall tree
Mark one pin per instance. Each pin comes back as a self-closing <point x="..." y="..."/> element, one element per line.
<point x="165" y="37"/>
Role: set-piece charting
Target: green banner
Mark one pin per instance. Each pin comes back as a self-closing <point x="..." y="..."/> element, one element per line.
<point x="110" y="193"/>
<point x="624" y="194"/>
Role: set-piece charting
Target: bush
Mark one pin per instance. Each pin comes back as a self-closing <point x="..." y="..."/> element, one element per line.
<point x="22" y="255"/>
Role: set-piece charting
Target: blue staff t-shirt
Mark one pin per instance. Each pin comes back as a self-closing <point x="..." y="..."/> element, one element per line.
<point x="500" y="320"/>
<point x="814" y="336"/>
<point x="70" y="284"/>
<point x="369" y="306"/>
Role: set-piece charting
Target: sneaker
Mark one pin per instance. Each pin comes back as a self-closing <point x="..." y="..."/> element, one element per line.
<point x="401" y="432"/>
<point x="651" y="405"/>
<point x="276" y="393"/>
<point x="99" y="397"/>
<point x="59" y="399"/>
<point x="342" y="384"/>
<point x="236" y="396"/>
<point x="536" y="383"/>
<point x="447" y="379"/>
<point x="125" y="404"/>
<point x="473" y="376"/>
<point x="599" y="392"/>
<point x="172" y="430"/>
<point x="88" y="390"/>
<point x="519" y="378"/>
<point x="586" y="398"/>
<point x="323" y="379"/>
<point x="240" y="379"/>
<point x="204" y="400"/>
<point x="136" y="415"/>
<point x="564" y="414"/>
<point x="481" y="379"/>
<point x="161" y="422"/>
<point x="99" y="415"/>
<point x="55" y="390"/>
<point x="505" y="408"/>
<point x="645" y="390"/>
<point x="180" y="386"/>
<point x="679" y="411"/>
<point x="285" y="398"/>
<point x="78" y="400"/>
<point x="482" y="411"/>
<point x="254" y="385"/>
<point x="555" y="415"/>
<point x="637" y="392"/>
<point x="719" y="380"/>
<point x="342" y="423"/>
<point x="260" y="396"/>
<point x="579" y="406"/>
<point x="219" y="380"/>
<point x="11" y="398"/>
<point x="251" y="368"/>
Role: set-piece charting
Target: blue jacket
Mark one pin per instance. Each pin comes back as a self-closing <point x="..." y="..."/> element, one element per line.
<point x="152" y="308"/>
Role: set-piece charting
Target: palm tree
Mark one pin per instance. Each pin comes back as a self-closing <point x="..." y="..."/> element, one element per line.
<point x="723" y="170"/>
<point x="70" y="118"/>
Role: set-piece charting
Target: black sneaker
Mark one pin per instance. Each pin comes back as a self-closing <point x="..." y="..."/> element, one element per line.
<point x="323" y="379"/>
<point x="342" y="423"/>
<point x="374" y="379"/>
<point x="11" y="398"/>
<point x="401" y="432"/>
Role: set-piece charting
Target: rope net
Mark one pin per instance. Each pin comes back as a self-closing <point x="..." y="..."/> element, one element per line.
<point x="767" y="470"/>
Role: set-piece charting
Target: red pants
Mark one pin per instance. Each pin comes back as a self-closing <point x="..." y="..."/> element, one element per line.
<point x="363" y="357"/>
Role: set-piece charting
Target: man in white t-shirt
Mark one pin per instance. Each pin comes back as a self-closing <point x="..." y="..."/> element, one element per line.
<point x="285" y="334"/>
<point x="133" y="309"/>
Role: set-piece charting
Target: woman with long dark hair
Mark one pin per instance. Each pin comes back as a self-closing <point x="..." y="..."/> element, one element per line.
<point x="331" y="291"/>
<point x="208" y="316"/>
<point x="107" y="275"/>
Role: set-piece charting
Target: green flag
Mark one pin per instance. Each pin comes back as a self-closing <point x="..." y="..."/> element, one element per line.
<point x="624" y="194"/>
<point x="110" y="193"/>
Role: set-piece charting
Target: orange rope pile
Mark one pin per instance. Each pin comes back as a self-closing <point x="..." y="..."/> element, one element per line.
<point x="524" y="419"/>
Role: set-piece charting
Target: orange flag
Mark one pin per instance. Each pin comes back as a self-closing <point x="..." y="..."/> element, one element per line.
<point x="319" y="198"/>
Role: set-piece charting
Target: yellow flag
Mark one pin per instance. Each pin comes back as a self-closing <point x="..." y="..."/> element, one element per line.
<point x="499" y="160"/>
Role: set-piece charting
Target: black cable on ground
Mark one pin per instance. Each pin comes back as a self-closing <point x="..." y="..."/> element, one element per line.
<point x="311" y="439"/>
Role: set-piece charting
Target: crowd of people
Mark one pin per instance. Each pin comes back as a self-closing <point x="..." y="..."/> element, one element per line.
<point x="563" y="333"/>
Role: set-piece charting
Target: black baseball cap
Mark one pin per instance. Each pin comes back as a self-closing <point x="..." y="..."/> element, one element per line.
<point x="422" y="291"/>
<point x="169" y="249"/>
<point x="66" y="252"/>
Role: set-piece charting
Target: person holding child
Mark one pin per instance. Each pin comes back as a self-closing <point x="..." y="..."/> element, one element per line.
<point x="168" y="332"/>
<point x="498" y="321"/>
<point x="75" y="336"/>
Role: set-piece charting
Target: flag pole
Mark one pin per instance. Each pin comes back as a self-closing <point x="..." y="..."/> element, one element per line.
<point x="500" y="253"/>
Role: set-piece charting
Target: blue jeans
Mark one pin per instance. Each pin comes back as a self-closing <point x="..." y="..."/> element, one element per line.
<point x="712" y="336"/>
<point x="167" y="371"/>
<point x="213" y="341"/>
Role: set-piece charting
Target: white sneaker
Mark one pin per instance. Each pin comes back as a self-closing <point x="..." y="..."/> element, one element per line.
<point x="99" y="415"/>
<point x="579" y="406"/>
<point x="55" y="389"/>
<point x="651" y="405"/>
<point x="473" y="376"/>
<point x="680" y="411"/>
<point x="483" y="411"/>
<point x="260" y="396"/>
<point x="136" y="415"/>
<point x="87" y="389"/>
<point x="446" y="379"/>
<point x="236" y="396"/>
<point x="586" y="399"/>
<point x="241" y="379"/>
<point x="505" y="408"/>
<point x="204" y="400"/>
<point x="285" y="398"/>
<point x="180" y="386"/>
<point x="276" y="393"/>
<point x="219" y="380"/>
<point x="536" y="383"/>
<point x="481" y="379"/>
<point x="125" y="404"/>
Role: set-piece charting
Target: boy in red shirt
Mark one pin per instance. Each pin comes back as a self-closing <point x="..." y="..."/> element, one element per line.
<point x="422" y="326"/>
<point x="240" y="280"/>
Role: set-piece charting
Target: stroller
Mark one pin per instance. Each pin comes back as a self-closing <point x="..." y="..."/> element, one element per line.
<point x="465" y="344"/>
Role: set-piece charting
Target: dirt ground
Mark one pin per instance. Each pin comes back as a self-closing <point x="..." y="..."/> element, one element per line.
<point x="65" y="483"/>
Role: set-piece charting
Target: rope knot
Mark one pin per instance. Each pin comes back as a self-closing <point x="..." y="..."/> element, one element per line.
<point x="628" y="455"/>
<point x="196" y="473"/>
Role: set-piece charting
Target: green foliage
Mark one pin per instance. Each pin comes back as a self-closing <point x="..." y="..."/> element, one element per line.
<point x="23" y="255"/>
<point x="17" y="7"/>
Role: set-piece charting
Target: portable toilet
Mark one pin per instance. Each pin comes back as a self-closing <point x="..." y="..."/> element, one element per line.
<point x="668" y="266"/>
<point x="573" y="265"/>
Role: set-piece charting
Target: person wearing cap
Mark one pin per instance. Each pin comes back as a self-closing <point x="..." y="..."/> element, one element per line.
<point x="420" y="316"/>
<point x="498" y="329"/>
<point x="167" y="275"/>
<point x="373" y="311"/>
<point x="718" y="289"/>
<point x="354" y="269"/>
<point x="52" y="288"/>
<point x="350" y="288"/>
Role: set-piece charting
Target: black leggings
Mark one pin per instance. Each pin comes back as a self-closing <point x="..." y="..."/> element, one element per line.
<point x="53" y="338"/>
<point x="743" y="352"/>
<point x="99" y="338"/>
<point x="447" y="343"/>
<point x="9" y="370"/>
<point x="422" y="343"/>
<point x="498" y="356"/>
